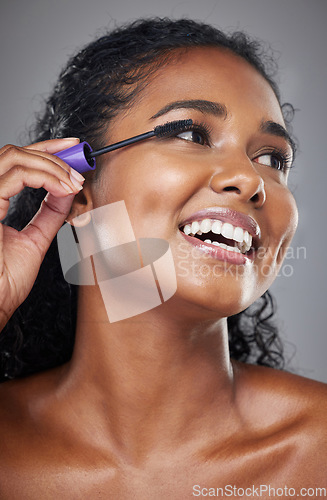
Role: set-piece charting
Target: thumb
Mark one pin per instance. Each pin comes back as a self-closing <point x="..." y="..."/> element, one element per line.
<point x="48" y="220"/>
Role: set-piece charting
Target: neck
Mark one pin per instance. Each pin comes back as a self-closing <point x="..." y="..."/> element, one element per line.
<point x="158" y="371"/>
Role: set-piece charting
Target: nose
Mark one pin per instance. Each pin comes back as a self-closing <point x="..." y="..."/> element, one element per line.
<point x="241" y="179"/>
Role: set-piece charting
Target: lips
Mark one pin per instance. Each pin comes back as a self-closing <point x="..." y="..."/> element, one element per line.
<point x="226" y="215"/>
<point x="224" y="230"/>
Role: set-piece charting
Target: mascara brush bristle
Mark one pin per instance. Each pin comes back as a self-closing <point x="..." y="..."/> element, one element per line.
<point x="172" y="127"/>
<point x="165" y="130"/>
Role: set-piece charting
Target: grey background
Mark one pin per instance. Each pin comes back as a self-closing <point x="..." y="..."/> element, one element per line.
<point x="37" y="36"/>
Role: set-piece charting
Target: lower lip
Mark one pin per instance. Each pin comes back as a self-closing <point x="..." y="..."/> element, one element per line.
<point x="220" y="253"/>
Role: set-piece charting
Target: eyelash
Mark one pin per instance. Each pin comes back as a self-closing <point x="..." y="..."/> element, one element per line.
<point x="201" y="128"/>
<point x="283" y="156"/>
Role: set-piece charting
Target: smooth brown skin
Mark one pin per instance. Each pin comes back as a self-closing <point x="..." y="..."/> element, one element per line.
<point x="152" y="405"/>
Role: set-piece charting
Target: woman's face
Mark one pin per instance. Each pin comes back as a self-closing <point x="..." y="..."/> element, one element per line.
<point x="229" y="167"/>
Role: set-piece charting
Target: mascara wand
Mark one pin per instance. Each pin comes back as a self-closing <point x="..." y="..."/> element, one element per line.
<point x="81" y="157"/>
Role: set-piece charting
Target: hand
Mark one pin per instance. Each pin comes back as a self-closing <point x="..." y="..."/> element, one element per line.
<point x="22" y="252"/>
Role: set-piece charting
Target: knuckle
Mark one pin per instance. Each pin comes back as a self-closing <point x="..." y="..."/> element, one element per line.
<point x="7" y="148"/>
<point x="11" y="152"/>
<point x="18" y="170"/>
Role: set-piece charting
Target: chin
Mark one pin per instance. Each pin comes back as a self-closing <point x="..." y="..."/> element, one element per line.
<point x="215" y="301"/>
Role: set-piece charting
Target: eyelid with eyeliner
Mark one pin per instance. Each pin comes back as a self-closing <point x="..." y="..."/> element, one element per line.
<point x="200" y="127"/>
<point x="282" y="153"/>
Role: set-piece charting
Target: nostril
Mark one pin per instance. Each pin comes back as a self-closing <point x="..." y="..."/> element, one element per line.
<point x="255" y="198"/>
<point x="232" y="188"/>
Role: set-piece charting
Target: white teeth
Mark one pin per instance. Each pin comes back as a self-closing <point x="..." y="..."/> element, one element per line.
<point x="227" y="231"/>
<point x="242" y="237"/>
<point x="205" y="225"/>
<point x="248" y="239"/>
<point x="216" y="227"/>
<point x="238" y="234"/>
<point x="195" y="227"/>
<point x="222" y="245"/>
<point x="187" y="229"/>
<point x="241" y="246"/>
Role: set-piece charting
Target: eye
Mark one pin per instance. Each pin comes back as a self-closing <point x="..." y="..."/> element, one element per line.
<point x="276" y="160"/>
<point x="198" y="134"/>
<point x="270" y="160"/>
<point x="193" y="136"/>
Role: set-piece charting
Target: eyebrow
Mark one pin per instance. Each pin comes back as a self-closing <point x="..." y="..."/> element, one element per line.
<point x="273" y="128"/>
<point x="220" y="110"/>
<point x="210" y="107"/>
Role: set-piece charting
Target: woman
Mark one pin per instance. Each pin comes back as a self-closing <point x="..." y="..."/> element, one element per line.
<point x="152" y="406"/>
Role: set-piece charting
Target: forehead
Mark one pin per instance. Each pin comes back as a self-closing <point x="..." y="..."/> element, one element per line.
<point x="212" y="74"/>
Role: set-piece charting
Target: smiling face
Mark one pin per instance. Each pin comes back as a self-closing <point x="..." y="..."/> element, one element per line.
<point x="229" y="168"/>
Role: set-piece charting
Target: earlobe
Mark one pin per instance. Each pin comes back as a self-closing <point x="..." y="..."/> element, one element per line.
<point x="80" y="221"/>
<point x="82" y="205"/>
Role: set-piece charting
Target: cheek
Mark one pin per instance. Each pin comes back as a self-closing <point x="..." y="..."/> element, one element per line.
<point x="286" y="222"/>
<point x="282" y="224"/>
<point x="163" y="188"/>
<point x="154" y="186"/>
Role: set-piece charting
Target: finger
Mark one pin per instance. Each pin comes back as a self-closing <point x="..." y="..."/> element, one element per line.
<point x="52" y="146"/>
<point x="47" y="222"/>
<point x="57" y="163"/>
<point x="45" y="149"/>
<point x="15" y="157"/>
<point x="13" y="181"/>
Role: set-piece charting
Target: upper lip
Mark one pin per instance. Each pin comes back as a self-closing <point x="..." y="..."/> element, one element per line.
<point x="226" y="215"/>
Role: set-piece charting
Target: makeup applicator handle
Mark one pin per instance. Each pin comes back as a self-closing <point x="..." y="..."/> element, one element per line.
<point x="78" y="157"/>
<point x="81" y="157"/>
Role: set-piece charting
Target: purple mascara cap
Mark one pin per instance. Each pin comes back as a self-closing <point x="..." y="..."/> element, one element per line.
<point x="77" y="157"/>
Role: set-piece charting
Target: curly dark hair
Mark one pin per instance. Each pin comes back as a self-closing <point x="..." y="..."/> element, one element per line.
<point x="98" y="83"/>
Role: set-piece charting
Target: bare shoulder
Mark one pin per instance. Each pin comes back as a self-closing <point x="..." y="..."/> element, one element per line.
<point x="286" y="401"/>
<point x="303" y="392"/>
<point x="286" y="390"/>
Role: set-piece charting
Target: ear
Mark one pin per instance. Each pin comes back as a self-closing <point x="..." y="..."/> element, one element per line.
<point x="81" y="206"/>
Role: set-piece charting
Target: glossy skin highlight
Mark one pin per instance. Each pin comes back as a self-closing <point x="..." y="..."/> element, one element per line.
<point x="152" y="405"/>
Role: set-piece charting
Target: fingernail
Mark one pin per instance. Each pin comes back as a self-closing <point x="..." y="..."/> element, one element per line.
<point x="66" y="187"/>
<point x="76" y="182"/>
<point x="69" y="139"/>
<point x="77" y="175"/>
